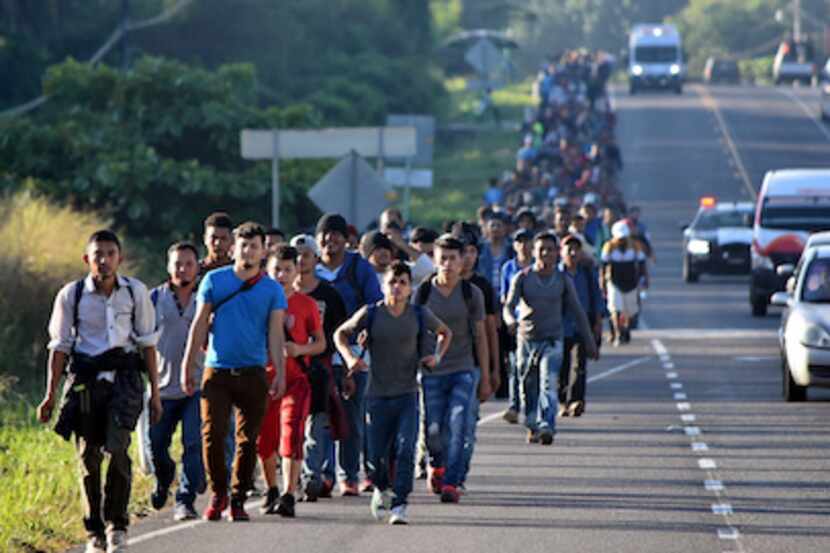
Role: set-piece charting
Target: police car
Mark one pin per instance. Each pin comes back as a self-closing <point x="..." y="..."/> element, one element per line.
<point x="718" y="239"/>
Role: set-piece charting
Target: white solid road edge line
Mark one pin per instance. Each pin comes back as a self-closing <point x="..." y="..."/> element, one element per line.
<point x="822" y="129"/>
<point x="619" y="368"/>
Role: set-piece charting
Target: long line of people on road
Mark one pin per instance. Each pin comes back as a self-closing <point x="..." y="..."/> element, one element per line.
<point x="349" y="362"/>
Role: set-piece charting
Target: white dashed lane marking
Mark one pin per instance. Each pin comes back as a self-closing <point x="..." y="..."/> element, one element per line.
<point x="722" y="507"/>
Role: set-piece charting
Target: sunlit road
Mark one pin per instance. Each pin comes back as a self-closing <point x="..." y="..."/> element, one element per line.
<point x="686" y="445"/>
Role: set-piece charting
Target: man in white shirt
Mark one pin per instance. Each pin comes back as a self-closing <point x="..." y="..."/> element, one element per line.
<point x="105" y="326"/>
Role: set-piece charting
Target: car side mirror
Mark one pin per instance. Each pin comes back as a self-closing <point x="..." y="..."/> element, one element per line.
<point x="785" y="269"/>
<point x="781" y="299"/>
<point x="790" y="286"/>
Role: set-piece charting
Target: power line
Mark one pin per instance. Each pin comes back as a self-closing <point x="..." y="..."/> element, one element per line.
<point x="113" y="39"/>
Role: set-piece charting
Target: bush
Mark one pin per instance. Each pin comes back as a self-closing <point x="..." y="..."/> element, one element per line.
<point x="42" y="249"/>
<point x="155" y="149"/>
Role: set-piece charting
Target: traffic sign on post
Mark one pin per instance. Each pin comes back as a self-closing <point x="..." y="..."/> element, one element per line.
<point x="353" y="189"/>
<point x="484" y="57"/>
<point x="276" y="144"/>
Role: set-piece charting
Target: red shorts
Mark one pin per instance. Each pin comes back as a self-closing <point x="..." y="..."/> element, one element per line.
<point x="283" y="428"/>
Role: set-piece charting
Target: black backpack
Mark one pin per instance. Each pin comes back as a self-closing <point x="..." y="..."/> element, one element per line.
<point x="422" y="297"/>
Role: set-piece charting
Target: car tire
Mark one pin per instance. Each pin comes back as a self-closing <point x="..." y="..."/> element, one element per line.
<point x="793" y="392"/>
<point x="678" y="90"/>
<point x="689" y="275"/>
<point x="759" y="307"/>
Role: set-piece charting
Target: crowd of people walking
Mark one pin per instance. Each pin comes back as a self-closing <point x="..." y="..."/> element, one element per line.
<point x="356" y="366"/>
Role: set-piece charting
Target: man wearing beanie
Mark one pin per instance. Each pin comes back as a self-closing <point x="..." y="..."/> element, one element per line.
<point x="354" y="279"/>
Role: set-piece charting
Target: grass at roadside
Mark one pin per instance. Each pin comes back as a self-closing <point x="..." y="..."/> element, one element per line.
<point x="465" y="159"/>
<point x="40" y="508"/>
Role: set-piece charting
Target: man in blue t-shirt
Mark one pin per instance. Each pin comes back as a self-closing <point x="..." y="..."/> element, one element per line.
<point x="240" y="315"/>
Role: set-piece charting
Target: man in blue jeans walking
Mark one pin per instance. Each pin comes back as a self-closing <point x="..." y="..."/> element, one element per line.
<point x="175" y="306"/>
<point x="540" y="292"/>
<point x="448" y="388"/>
<point x="394" y="331"/>
<point x="356" y="282"/>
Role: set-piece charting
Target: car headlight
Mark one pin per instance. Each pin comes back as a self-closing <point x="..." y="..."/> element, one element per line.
<point x="761" y="261"/>
<point x="674" y="69"/>
<point x="637" y="70"/>
<point x="698" y="247"/>
<point x="815" y="336"/>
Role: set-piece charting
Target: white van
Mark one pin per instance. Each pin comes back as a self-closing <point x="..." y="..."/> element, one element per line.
<point x="655" y="58"/>
<point x="793" y="203"/>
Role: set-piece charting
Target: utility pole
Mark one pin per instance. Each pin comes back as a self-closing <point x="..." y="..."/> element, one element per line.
<point x="125" y="20"/>
<point x="797" y="21"/>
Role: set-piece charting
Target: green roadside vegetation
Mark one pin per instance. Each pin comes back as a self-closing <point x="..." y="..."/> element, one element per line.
<point x="467" y="156"/>
<point x="39" y="499"/>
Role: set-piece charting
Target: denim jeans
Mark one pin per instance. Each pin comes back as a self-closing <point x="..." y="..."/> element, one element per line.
<point x="539" y="363"/>
<point x="318" y="458"/>
<point x="391" y="431"/>
<point x="514" y="384"/>
<point x="447" y="401"/>
<point x="352" y="447"/>
<point x="186" y="411"/>
<point x="472" y="424"/>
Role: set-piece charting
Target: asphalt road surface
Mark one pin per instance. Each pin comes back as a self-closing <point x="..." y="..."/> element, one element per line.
<point x="686" y="445"/>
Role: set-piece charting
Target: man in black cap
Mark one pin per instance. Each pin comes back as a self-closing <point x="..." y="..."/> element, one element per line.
<point x="355" y="280"/>
<point x="526" y="219"/>
<point x="376" y="248"/>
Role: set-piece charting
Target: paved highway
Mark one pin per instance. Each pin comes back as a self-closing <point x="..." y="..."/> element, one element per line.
<point x="686" y="445"/>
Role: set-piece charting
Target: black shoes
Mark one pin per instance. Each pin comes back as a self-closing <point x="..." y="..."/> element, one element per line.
<point x="286" y="506"/>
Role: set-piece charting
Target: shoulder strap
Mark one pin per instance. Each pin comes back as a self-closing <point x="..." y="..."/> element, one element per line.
<point x="78" y="291"/>
<point x="371" y="311"/>
<point x="247" y="285"/>
<point x="132" y="297"/>
<point x="423" y="291"/>
<point x="154" y="296"/>
<point x="419" y="313"/>
<point x="351" y="276"/>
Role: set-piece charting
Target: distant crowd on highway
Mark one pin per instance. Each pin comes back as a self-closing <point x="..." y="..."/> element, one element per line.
<point x="351" y="362"/>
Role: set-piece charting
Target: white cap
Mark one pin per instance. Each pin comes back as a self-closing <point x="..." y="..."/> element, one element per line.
<point x="620" y="229"/>
<point x="305" y="241"/>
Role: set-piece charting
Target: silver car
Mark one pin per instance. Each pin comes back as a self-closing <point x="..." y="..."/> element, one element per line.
<point x="804" y="334"/>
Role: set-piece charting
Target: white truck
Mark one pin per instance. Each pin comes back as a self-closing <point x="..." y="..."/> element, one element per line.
<point x="655" y="58"/>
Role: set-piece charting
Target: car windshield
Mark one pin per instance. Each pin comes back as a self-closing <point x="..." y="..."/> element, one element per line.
<point x="713" y="220"/>
<point x="805" y="213"/>
<point x="655" y="54"/>
<point x="816" y="288"/>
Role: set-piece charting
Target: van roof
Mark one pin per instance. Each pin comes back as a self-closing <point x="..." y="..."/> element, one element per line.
<point x="818" y="239"/>
<point x="653" y="34"/>
<point x="796" y="182"/>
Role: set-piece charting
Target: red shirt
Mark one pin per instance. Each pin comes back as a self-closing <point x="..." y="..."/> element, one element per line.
<point x="302" y="319"/>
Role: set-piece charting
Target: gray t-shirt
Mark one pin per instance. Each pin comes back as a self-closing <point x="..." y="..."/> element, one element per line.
<point x="393" y="348"/>
<point x="454" y="312"/>
<point x="540" y="300"/>
<point x="173" y="325"/>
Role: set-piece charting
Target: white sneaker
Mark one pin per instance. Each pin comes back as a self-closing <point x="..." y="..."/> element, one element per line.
<point x="116" y="541"/>
<point x="380" y="504"/>
<point x="398" y="515"/>
<point x="96" y="545"/>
